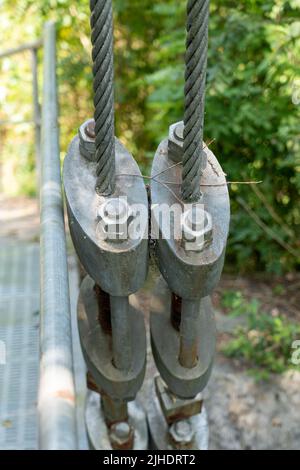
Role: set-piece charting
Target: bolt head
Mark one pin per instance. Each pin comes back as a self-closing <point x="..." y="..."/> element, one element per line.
<point x="115" y="218"/>
<point x="182" y="432"/>
<point x="179" y="131"/>
<point x="175" y="142"/>
<point x="116" y="209"/>
<point x="90" y="129"/>
<point x="122" y="430"/>
<point x="120" y="434"/>
<point x="197" y="229"/>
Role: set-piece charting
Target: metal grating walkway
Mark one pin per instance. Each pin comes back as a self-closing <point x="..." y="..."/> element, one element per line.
<point x="19" y="336"/>
<point x="19" y="339"/>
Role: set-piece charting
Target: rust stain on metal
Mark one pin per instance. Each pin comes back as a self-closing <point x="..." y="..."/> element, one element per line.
<point x="65" y="394"/>
<point x="115" y="411"/>
<point x="91" y="384"/>
<point x="124" y="446"/>
<point x="189" y="354"/>
<point x="180" y="445"/>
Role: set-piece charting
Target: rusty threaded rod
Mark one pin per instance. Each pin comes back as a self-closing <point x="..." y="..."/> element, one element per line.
<point x="189" y="333"/>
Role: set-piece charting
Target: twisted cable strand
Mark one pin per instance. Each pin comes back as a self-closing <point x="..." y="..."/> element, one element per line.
<point x="195" y="78"/>
<point x="103" y="72"/>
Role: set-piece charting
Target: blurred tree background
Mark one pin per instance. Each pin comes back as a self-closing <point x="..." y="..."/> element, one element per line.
<point x="252" y="111"/>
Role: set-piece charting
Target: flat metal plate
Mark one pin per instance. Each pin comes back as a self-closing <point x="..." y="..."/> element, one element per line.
<point x="159" y="429"/>
<point x="189" y="274"/>
<point x="112" y="265"/>
<point x="19" y="336"/>
<point x="97" y="429"/>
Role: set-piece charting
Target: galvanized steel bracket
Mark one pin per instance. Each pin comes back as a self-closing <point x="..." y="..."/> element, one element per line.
<point x="190" y="274"/>
<point x="112" y="265"/>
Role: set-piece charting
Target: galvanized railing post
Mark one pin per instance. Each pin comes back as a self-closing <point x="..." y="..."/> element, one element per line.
<point x="56" y="406"/>
<point x="36" y="112"/>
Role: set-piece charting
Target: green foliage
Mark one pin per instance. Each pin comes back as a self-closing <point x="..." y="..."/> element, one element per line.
<point x="265" y="342"/>
<point x="253" y="87"/>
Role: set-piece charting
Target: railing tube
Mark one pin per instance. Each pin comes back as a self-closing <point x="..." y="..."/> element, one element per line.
<point x="56" y="405"/>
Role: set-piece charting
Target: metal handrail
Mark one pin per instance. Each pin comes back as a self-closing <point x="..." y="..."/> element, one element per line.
<point x="56" y="404"/>
<point x="24" y="47"/>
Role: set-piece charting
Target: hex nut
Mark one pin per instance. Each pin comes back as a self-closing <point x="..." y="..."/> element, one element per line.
<point x="197" y="229"/>
<point x="115" y="217"/>
<point x="121" y="435"/>
<point x="87" y="144"/>
<point x="175" y="142"/>
<point x="182" y="432"/>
